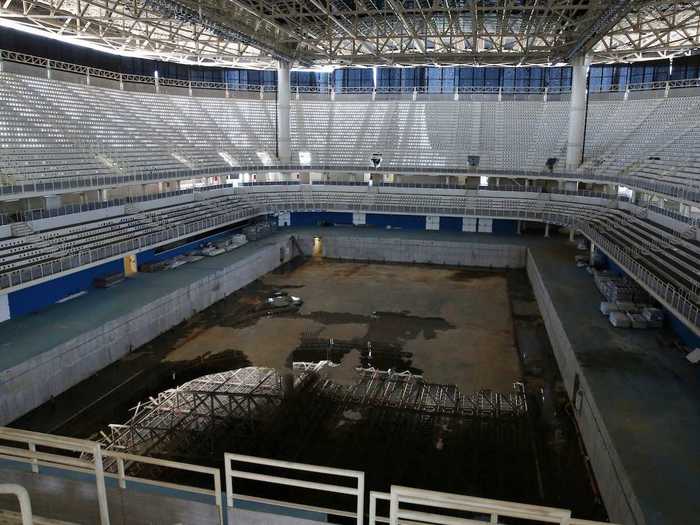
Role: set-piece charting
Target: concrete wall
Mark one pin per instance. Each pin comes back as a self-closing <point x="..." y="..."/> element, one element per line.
<point x="422" y="251"/>
<point x="31" y="383"/>
<point x="619" y="498"/>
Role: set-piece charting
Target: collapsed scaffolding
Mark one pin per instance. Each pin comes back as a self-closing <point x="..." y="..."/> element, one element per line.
<point x="203" y="406"/>
<point x="196" y="408"/>
<point x="396" y="426"/>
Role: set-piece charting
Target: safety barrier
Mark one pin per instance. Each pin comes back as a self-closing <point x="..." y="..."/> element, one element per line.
<point x="357" y="491"/>
<point x="444" y="509"/>
<point x="64" y="461"/>
<point x="103" y="464"/>
<point x="87" y="71"/>
<point x="441" y="504"/>
<point x="102" y="254"/>
<point x="48" y="186"/>
<point x="25" y="504"/>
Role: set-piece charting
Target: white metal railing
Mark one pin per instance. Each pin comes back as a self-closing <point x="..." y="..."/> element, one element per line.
<point x="480" y="510"/>
<point x="123" y="460"/>
<point x="57" y="65"/>
<point x="25" y="504"/>
<point x="23" y="58"/>
<point x="46" y="186"/>
<point x="137" y="243"/>
<point x="65" y="460"/>
<point x="441" y="504"/>
<point x="357" y="490"/>
<point x="676" y="298"/>
<point x="92" y="460"/>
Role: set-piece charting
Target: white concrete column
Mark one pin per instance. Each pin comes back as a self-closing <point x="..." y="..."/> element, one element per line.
<point x="572" y="232"/>
<point x="546" y="229"/>
<point x="519" y="228"/>
<point x="284" y="152"/>
<point x="577" y="112"/>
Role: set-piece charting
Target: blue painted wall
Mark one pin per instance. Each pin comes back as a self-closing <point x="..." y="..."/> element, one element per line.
<point x="451" y="224"/>
<point x="505" y="227"/>
<point x="34" y="298"/>
<point x="313" y="218"/>
<point x="406" y="222"/>
<point x="686" y="335"/>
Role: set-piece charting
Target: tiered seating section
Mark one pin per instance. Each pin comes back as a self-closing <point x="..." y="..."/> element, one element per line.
<point x="654" y="139"/>
<point x="660" y="256"/>
<point x="31" y="257"/>
<point x="506" y="135"/>
<point x="51" y="129"/>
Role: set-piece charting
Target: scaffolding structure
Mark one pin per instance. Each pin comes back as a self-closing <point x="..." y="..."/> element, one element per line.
<point x="407" y="391"/>
<point x="201" y="415"/>
<point x="195" y="409"/>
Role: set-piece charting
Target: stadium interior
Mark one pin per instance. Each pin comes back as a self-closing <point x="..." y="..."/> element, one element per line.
<point x="349" y="261"/>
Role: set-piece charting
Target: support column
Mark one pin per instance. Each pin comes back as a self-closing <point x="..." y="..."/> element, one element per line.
<point x="572" y="232"/>
<point x="52" y="201"/>
<point x="284" y="153"/>
<point x="546" y="229"/>
<point x="577" y="112"/>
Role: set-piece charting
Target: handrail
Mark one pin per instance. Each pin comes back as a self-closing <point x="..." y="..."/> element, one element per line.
<point x="329" y="89"/>
<point x="493" y="509"/>
<point x="357" y="490"/>
<point x="35" y="458"/>
<point x="25" y="504"/>
<point x="41" y="186"/>
<point x="122" y="457"/>
<point x="677" y="297"/>
<point x="92" y="460"/>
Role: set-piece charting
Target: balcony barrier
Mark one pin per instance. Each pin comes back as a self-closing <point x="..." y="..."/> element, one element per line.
<point x="60" y="460"/>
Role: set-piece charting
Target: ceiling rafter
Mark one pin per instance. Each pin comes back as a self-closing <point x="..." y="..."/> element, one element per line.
<point x="258" y="33"/>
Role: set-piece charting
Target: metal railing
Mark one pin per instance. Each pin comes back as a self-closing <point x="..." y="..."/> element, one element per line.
<point x="451" y="509"/>
<point x="70" y="209"/>
<point x="122" y="460"/>
<point x="92" y="460"/>
<point x="87" y="71"/>
<point x="665" y="292"/>
<point x="92" y="454"/>
<point x="40" y="186"/>
<point x="25" y="504"/>
<point x="357" y="491"/>
<point x="257" y="203"/>
<point x="65" y="461"/>
<point x="328" y="90"/>
<point x="139" y="243"/>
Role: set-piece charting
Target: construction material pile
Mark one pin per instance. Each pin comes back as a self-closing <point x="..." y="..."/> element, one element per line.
<point x="619" y="289"/>
<point x="627" y="305"/>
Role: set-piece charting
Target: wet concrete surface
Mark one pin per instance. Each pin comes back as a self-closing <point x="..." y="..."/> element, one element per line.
<point x="476" y="329"/>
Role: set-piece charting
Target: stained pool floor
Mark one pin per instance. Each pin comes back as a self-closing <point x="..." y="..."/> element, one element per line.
<point x="477" y="329"/>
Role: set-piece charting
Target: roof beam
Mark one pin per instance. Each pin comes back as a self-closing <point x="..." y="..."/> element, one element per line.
<point x="602" y="25"/>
